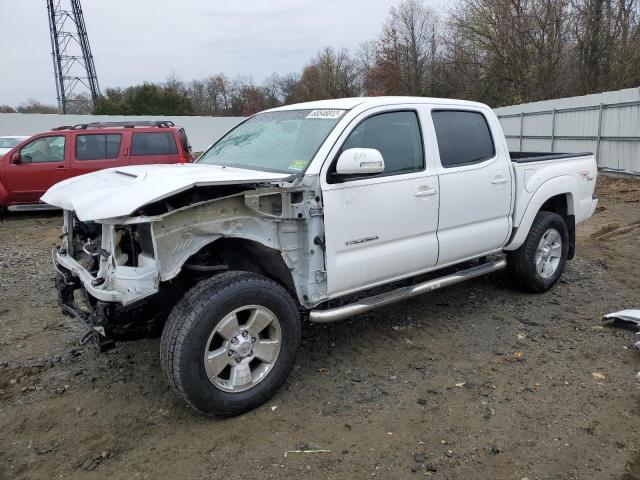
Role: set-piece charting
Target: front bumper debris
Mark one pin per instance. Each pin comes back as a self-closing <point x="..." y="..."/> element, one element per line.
<point x="66" y="285"/>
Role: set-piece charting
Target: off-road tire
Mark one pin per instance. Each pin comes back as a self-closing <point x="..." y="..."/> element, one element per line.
<point x="522" y="262"/>
<point x="188" y="327"/>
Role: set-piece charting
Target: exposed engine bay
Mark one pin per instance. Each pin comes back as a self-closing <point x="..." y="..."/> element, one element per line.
<point x="121" y="276"/>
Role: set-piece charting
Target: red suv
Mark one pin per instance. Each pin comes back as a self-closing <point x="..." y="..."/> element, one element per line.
<point x="28" y="170"/>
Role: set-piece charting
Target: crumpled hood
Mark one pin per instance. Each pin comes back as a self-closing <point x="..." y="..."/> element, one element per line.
<point x="117" y="192"/>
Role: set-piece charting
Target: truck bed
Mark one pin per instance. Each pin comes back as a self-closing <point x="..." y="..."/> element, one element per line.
<point x="525" y="157"/>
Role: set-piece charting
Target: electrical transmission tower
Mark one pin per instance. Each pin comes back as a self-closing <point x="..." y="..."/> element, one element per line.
<point x="72" y="59"/>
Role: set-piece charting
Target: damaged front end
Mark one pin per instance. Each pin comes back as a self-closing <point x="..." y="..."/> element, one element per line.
<point x="105" y="272"/>
<point x="120" y="277"/>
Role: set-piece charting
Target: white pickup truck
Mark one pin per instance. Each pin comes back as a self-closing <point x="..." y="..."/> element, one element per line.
<point x="319" y="210"/>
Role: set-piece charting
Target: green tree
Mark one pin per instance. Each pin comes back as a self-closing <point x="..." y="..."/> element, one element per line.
<point x="145" y="99"/>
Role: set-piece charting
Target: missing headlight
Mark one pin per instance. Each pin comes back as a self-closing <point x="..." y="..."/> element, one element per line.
<point x="131" y="241"/>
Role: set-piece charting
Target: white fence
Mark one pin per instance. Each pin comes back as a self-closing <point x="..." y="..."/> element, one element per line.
<point x="202" y="131"/>
<point x="607" y="124"/>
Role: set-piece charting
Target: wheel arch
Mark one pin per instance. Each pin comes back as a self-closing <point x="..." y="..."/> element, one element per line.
<point x="556" y="195"/>
<point x="243" y="254"/>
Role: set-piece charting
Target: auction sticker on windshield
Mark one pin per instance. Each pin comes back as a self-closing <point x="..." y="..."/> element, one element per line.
<point x="298" y="165"/>
<point x="325" y="113"/>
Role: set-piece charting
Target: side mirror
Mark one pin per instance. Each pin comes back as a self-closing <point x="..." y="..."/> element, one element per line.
<point x="360" y="161"/>
<point x="15" y="158"/>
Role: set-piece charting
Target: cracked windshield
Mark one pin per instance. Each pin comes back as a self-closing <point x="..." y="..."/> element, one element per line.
<point x="274" y="141"/>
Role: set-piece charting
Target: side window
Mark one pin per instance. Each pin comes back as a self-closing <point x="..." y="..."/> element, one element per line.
<point x="43" y="150"/>
<point x="396" y="135"/>
<point x="153" y="143"/>
<point x="463" y="137"/>
<point x="98" y="147"/>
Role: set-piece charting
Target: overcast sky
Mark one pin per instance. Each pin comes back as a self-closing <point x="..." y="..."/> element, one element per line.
<point x="137" y="40"/>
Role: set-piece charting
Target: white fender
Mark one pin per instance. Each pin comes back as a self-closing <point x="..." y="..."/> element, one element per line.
<point x="563" y="185"/>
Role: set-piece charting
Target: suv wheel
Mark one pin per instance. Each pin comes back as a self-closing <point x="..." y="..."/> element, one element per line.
<point x="538" y="263"/>
<point x="230" y="343"/>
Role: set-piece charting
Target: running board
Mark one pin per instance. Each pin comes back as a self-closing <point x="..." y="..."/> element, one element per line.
<point x="376" y="301"/>
<point x="30" y="207"/>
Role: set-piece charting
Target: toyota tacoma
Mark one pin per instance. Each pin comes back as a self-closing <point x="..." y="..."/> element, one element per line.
<point x="316" y="211"/>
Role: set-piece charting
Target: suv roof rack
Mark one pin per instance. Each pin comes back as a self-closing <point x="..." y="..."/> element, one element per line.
<point x="124" y="124"/>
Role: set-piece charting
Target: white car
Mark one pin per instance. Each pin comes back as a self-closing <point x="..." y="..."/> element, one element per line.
<point x="318" y="211"/>
<point x="8" y="142"/>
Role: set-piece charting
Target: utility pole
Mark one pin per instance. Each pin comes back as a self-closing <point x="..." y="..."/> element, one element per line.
<point x="75" y="72"/>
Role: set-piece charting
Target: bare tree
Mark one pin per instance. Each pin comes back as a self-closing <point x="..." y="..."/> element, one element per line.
<point x="404" y="58"/>
<point x="35" y="106"/>
<point x="607" y="44"/>
<point x="330" y="74"/>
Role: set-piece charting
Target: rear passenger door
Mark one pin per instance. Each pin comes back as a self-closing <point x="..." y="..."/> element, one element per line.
<point x="153" y="147"/>
<point x="475" y="184"/>
<point x="96" y="151"/>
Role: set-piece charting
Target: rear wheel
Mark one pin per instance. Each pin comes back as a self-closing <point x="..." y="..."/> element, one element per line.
<point x="537" y="265"/>
<point x="230" y="343"/>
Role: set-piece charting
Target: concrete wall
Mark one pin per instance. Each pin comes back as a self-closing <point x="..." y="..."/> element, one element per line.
<point x="202" y="131"/>
<point x="607" y="124"/>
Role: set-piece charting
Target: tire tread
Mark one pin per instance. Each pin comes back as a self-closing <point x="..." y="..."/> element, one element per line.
<point x="182" y="319"/>
<point x="519" y="261"/>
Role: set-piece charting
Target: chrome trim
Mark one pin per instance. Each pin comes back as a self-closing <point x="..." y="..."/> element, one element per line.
<point x="376" y="301"/>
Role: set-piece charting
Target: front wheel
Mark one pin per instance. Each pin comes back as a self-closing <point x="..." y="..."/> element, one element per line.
<point x="537" y="265"/>
<point x="230" y="343"/>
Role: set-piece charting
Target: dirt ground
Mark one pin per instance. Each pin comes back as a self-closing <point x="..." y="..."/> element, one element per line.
<point x="474" y="381"/>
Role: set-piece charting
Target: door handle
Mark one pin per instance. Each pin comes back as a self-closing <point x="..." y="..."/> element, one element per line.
<point x="427" y="192"/>
<point x="499" y="180"/>
<point x="60" y="167"/>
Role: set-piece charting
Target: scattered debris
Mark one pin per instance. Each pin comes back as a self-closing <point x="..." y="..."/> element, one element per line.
<point x="92" y="463"/>
<point x="316" y="450"/>
<point x="273" y="408"/>
<point x="597" y="376"/>
<point x="422" y="401"/>
<point x="432" y="467"/>
<point x="462" y="384"/>
<point x="495" y="450"/>
<point x="624" y="318"/>
<point x="487" y="411"/>
<point x="420" y="457"/>
<point x="46" y="449"/>
<point x="449" y="453"/>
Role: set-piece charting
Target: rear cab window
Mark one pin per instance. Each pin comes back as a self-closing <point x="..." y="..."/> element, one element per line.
<point x="153" y="143"/>
<point x="463" y="136"/>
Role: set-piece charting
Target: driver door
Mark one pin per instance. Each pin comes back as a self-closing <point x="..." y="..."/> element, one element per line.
<point x="381" y="227"/>
<point x="43" y="162"/>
